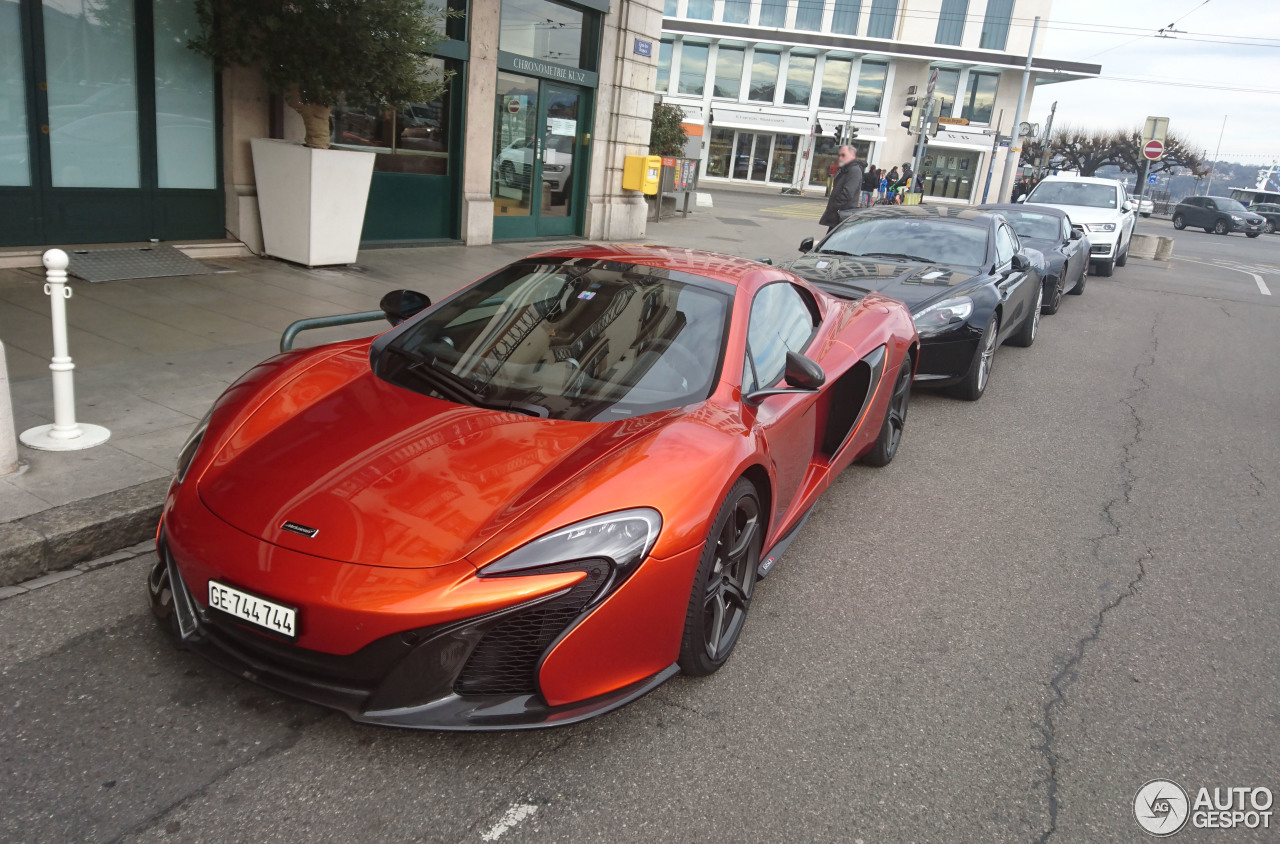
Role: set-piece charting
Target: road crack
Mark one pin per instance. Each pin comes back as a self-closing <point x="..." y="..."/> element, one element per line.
<point x="1068" y="673"/>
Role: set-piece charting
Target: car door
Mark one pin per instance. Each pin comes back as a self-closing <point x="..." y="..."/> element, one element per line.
<point x="1074" y="250"/>
<point x="1017" y="295"/>
<point x="781" y="320"/>
<point x="1128" y="221"/>
<point x="1211" y="215"/>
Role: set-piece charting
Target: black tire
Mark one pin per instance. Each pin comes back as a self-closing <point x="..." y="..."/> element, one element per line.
<point x="1079" y="288"/>
<point x="975" y="381"/>
<point x="1105" y="269"/>
<point x="895" y="419"/>
<point x="1252" y="234"/>
<point x="724" y="583"/>
<point x="1271" y="227"/>
<point x="1178" y="222"/>
<point x="160" y="594"/>
<point x="1055" y="301"/>
<point x="1030" y="325"/>
<point x="1220" y="227"/>
<point x="1123" y="257"/>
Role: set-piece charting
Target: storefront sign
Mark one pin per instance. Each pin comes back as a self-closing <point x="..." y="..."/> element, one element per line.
<point x="547" y="70"/>
<point x="760" y="120"/>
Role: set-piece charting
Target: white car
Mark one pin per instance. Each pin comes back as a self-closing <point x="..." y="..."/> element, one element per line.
<point x="1101" y="206"/>
<point x="1143" y="206"/>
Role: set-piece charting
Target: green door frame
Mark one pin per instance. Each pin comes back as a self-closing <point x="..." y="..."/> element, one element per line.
<point x="41" y="214"/>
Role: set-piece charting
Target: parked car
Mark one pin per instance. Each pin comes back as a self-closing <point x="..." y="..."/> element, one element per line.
<point x="470" y="521"/>
<point x="514" y="163"/>
<point x="964" y="273"/>
<point x="1065" y="248"/>
<point x="1219" y="215"/>
<point x="1101" y="207"/>
<point x="1270" y="212"/>
<point x="1144" y="206"/>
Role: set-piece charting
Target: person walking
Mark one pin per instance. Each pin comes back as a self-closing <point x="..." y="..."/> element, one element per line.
<point x="870" y="183"/>
<point x="846" y="189"/>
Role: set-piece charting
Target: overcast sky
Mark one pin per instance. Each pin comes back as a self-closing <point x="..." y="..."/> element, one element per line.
<point x="1253" y="120"/>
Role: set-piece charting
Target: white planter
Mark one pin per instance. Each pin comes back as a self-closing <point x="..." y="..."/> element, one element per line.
<point x="311" y="201"/>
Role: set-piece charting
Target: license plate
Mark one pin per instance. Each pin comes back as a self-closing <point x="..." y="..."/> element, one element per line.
<point x="266" y="614"/>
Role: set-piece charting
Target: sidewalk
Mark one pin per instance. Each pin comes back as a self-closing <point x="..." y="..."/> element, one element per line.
<point x="151" y="355"/>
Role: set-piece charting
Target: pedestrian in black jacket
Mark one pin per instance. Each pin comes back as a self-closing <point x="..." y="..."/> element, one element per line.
<point x="846" y="189"/>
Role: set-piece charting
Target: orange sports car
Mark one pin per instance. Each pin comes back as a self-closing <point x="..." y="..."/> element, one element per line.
<point x="531" y="502"/>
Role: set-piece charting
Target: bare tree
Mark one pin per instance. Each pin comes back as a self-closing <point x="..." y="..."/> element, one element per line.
<point x="1088" y="150"/>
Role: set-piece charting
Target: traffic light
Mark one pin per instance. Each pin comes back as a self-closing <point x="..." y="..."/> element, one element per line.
<point x="839" y="131"/>
<point x="915" y="112"/>
<point x="853" y="134"/>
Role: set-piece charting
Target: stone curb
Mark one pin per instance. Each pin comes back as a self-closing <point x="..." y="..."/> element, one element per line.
<point x="62" y="537"/>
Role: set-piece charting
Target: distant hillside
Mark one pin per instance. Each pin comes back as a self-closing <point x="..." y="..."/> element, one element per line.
<point x="1226" y="175"/>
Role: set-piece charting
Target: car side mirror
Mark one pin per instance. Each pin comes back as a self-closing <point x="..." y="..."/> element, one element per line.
<point x="806" y="245"/>
<point x="1128" y="205"/>
<point x="1076" y="234"/>
<point x="1020" y="262"/>
<point x="1022" y="198"/>
<point x="400" y="305"/>
<point x="801" y="374"/>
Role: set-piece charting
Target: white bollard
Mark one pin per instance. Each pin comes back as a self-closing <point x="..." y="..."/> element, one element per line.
<point x="65" y="434"/>
<point x="8" y="442"/>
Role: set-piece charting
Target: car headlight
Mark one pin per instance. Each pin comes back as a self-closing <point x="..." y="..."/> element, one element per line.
<point x="1101" y="227"/>
<point x="1236" y="219"/>
<point x="192" y="445"/>
<point x="554" y="168"/>
<point x="621" y="539"/>
<point x="944" y="316"/>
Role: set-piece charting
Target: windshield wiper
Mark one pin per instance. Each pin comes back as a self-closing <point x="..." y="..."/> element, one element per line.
<point x="901" y="256"/>
<point x="457" y="390"/>
<point x="835" y="252"/>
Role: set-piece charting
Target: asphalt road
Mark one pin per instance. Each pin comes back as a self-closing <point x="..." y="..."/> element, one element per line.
<point x="1051" y="597"/>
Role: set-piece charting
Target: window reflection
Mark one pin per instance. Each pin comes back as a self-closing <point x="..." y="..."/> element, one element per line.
<point x="186" y="147"/>
<point x="799" y="79"/>
<point x="835" y="82"/>
<point x="870" y="86"/>
<point x="543" y="30"/>
<point x="729" y="61"/>
<point x="414" y="139"/>
<point x="764" y="75"/>
<point x="693" y="68"/>
<point x="15" y="160"/>
<point x="981" y="97"/>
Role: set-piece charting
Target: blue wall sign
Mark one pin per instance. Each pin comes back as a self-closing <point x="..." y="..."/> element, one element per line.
<point x="643" y="48"/>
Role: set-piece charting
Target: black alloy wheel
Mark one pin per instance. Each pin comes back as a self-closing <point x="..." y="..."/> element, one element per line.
<point x="725" y="582"/>
<point x="1079" y="288"/>
<point x="1179" y="222"/>
<point x="895" y="419"/>
<point x="974" y="383"/>
<point x="1030" y="325"/>
<point x="1055" y="300"/>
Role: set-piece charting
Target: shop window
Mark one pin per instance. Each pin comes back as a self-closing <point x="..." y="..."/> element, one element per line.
<point x="981" y="97"/>
<point x="729" y="60"/>
<point x="664" y="66"/>
<point x="186" y="130"/>
<point x="799" y="80"/>
<point x="544" y="30"/>
<point x="773" y="13"/>
<point x="948" y="174"/>
<point x="951" y="22"/>
<point x="15" y="157"/>
<point x="764" y="75"/>
<point x="995" y="24"/>
<point x="870" y="86"/>
<point x="835" y="82"/>
<point x="809" y="15"/>
<point x="737" y="11"/>
<point x="413" y="139"/>
<point x="699" y="10"/>
<point x="845" y="19"/>
<point x="693" y="68"/>
<point x="786" y="150"/>
<point x="720" y="153"/>
<point x="670" y="7"/>
<point x="883" y="18"/>
<point x="948" y="85"/>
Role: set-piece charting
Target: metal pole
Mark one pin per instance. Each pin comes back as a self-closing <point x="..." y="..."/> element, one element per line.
<point x="1015" y="148"/>
<point x="1044" y="141"/>
<point x="1215" y="155"/>
<point x="65" y="434"/>
<point x="922" y="141"/>
<point x="991" y="162"/>
<point x="8" y="442"/>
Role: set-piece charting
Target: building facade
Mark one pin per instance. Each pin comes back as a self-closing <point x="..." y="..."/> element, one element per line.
<point x="765" y="83"/>
<point x="111" y="130"/>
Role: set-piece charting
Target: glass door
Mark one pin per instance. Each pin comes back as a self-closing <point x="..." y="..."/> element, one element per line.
<point x="751" y="156"/>
<point x="539" y="148"/>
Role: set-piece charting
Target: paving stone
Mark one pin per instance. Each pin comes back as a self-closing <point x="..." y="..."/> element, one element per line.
<point x="51" y="578"/>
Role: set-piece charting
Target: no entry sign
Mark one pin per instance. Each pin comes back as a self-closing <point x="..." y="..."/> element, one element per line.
<point x="1153" y="150"/>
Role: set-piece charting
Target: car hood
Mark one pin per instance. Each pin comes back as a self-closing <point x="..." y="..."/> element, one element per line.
<point x="1087" y="213"/>
<point x="386" y="476"/>
<point x="910" y="282"/>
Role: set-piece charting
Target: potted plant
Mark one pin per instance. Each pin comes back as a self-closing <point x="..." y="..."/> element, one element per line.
<point x="317" y="53"/>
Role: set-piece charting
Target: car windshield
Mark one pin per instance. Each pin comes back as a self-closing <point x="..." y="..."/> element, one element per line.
<point x="576" y="340"/>
<point x="910" y="238"/>
<point x="1030" y="224"/>
<point x="1230" y="205"/>
<point x="1074" y="193"/>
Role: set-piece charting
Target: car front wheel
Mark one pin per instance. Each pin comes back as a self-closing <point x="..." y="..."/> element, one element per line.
<point x="975" y="380"/>
<point x="1179" y="222"/>
<point x="725" y="582"/>
<point x="1055" y="300"/>
<point x="1220" y="227"/>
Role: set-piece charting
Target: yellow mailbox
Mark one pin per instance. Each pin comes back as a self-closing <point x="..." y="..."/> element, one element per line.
<point x="640" y="172"/>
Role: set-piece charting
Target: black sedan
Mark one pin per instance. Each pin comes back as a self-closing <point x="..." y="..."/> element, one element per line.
<point x="1065" y="249"/>
<point x="964" y="274"/>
